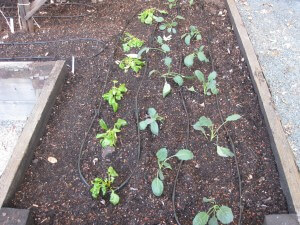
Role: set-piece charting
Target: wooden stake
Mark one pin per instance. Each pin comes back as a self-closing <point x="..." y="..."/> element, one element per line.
<point x="23" y="9"/>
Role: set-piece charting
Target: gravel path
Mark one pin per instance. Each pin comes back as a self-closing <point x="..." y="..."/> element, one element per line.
<point x="274" y="29"/>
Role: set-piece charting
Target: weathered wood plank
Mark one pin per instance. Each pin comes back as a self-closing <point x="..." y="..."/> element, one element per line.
<point x="35" y="6"/>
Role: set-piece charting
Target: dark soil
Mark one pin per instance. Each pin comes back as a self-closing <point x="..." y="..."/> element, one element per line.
<point x="55" y="193"/>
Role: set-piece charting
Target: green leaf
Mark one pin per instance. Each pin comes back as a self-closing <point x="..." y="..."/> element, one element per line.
<point x="224" y="152"/>
<point x="201" y="218"/>
<point x="178" y="80"/>
<point x="205" y="122"/>
<point x="184" y="154"/>
<point x="154" y="128"/>
<point x="213" y="221"/>
<point x="111" y="171"/>
<point x="145" y="49"/>
<point x="202" y="57"/>
<point x="103" y="125"/>
<point x="174" y="30"/>
<point x="120" y="123"/>
<point x="192" y="89"/>
<point x="158" y="19"/>
<point x="198" y="37"/>
<point x="189" y="60"/>
<point x="151" y="112"/>
<point x="224" y="214"/>
<point x="187" y="39"/>
<point x="206" y="200"/>
<point x="162" y="154"/>
<point x="162" y="27"/>
<point x="180" y="17"/>
<point x="200" y="76"/>
<point x="143" y="124"/>
<point x="166" y="89"/>
<point x="168" y="61"/>
<point x="161" y="175"/>
<point x="114" y="198"/>
<point x="212" y="76"/>
<point x="159" y="40"/>
<point x="169" y="29"/>
<point x="233" y="117"/>
<point x="167" y="165"/>
<point x="157" y="187"/>
<point x="165" y="47"/>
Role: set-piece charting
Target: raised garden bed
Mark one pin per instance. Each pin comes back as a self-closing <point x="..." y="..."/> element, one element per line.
<point x="55" y="192"/>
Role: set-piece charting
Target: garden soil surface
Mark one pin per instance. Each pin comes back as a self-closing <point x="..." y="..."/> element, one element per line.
<point x="56" y="194"/>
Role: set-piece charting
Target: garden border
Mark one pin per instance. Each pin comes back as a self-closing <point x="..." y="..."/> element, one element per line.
<point x="288" y="171"/>
<point x="31" y="134"/>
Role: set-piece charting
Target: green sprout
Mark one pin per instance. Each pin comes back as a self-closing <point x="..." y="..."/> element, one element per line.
<point x="115" y="94"/>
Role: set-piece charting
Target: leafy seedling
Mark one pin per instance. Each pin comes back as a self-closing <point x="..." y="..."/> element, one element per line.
<point x="177" y="77"/>
<point x="162" y="161"/>
<point x="148" y="16"/>
<point x="214" y="214"/>
<point x="172" y="3"/>
<point x="191" y="2"/>
<point x="130" y="41"/>
<point x="209" y="85"/>
<point x="205" y="122"/>
<point x="132" y="61"/>
<point x="109" y="138"/>
<point x="152" y="119"/>
<point x="171" y="26"/>
<point x="115" y="94"/>
<point x="104" y="186"/>
<point x="163" y="46"/>
<point x="199" y="53"/>
<point x="193" y="34"/>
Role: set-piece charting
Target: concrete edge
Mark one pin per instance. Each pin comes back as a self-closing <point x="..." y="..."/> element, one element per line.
<point x="31" y="134"/>
<point x="284" y="157"/>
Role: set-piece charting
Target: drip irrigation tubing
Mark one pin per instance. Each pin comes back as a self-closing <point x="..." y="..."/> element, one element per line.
<point x="97" y="111"/>
<point x="186" y="146"/>
<point x="99" y="42"/>
<point x="59" y="16"/>
<point x="226" y="130"/>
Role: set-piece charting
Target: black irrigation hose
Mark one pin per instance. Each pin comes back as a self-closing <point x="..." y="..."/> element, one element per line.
<point x="186" y="146"/>
<point x="62" y="17"/>
<point x="99" y="42"/>
<point x="228" y="133"/>
<point x="97" y="111"/>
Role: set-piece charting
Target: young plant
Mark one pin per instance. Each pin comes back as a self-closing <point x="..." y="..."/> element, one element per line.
<point x="209" y="85"/>
<point x="131" y="61"/>
<point x="171" y="26"/>
<point x="115" y="94"/>
<point x="189" y="59"/>
<point x="191" y="2"/>
<point x="104" y="186"/>
<point x="177" y="77"/>
<point x="162" y="161"/>
<point x="172" y="3"/>
<point x="216" y="212"/>
<point x="205" y="122"/>
<point x="130" y="41"/>
<point x="193" y="34"/>
<point x="109" y="138"/>
<point x="147" y="16"/>
<point x="163" y="46"/>
<point x="152" y="119"/>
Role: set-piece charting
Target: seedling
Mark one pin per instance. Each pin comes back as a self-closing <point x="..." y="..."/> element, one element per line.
<point x="152" y="119"/>
<point x="163" y="46"/>
<point x="205" y="122"/>
<point x="193" y="34"/>
<point x="104" y="186"/>
<point x="132" y="61"/>
<point x="109" y="138"/>
<point x="189" y="59"/>
<point x="162" y="161"/>
<point x="177" y="77"/>
<point x="130" y="41"/>
<point x="147" y="16"/>
<point x="172" y="3"/>
<point x="115" y="94"/>
<point x="171" y="26"/>
<point x="209" y="85"/>
<point x="191" y="2"/>
<point x="216" y="212"/>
